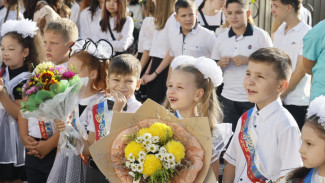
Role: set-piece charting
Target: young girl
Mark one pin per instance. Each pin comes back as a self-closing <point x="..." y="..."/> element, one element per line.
<point x="92" y="64"/>
<point x="20" y="51"/>
<point x="115" y="26"/>
<point x="89" y="19"/>
<point x="157" y="72"/>
<point x="313" y="145"/>
<point x="191" y="93"/>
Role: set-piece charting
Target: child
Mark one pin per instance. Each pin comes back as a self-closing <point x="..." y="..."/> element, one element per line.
<point x="191" y="39"/>
<point x="20" y="51"/>
<point x="58" y="38"/>
<point x="92" y="64"/>
<point x="211" y="15"/>
<point x="191" y="93"/>
<point x="314" y="61"/>
<point x="267" y="138"/>
<point x="123" y="79"/>
<point x="115" y="26"/>
<point x="231" y="50"/>
<point x="89" y="20"/>
<point x="155" y="76"/>
<point x="288" y="38"/>
<point x="313" y="146"/>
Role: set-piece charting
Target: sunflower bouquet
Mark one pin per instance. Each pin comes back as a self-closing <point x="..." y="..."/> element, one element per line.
<point x="154" y="146"/>
<point x="52" y="93"/>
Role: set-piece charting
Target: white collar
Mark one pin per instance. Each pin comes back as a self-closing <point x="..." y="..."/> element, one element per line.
<point x="268" y="110"/>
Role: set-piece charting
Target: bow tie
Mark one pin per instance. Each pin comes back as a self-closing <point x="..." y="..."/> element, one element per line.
<point x="110" y="104"/>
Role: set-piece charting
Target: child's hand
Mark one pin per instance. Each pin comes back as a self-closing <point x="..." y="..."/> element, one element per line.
<point x="43" y="149"/>
<point x="224" y="62"/>
<point x="30" y="144"/>
<point x="240" y="60"/>
<point x="2" y="89"/>
<point x="59" y="125"/>
<point x="148" y="78"/>
<point x="143" y="82"/>
<point x="120" y="101"/>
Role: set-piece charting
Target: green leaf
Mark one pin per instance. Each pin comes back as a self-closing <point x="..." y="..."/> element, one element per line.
<point x="43" y="95"/>
<point x="59" y="87"/>
<point x="74" y="80"/>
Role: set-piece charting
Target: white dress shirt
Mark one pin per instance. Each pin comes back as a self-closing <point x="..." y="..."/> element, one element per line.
<point x="89" y="27"/>
<point x="146" y="34"/>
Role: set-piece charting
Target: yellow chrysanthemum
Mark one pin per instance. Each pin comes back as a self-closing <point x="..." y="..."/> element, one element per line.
<point x="177" y="149"/>
<point x="133" y="148"/>
<point x="151" y="165"/>
<point x="142" y="131"/>
<point x="43" y="66"/>
<point x="161" y="130"/>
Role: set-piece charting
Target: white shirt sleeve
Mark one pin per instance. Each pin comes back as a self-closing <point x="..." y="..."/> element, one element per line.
<point x="215" y="51"/>
<point x="231" y="154"/>
<point x="84" y="24"/>
<point x="210" y="42"/>
<point x="265" y="40"/>
<point x="127" y="39"/>
<point x="148" y="28"/>
<point x="288" y="147"/>
<point x="75" y="10"/>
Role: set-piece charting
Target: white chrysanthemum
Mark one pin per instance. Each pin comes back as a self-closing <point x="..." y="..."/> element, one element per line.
<point x="147" y="142"/>
<point x="155" y="139"/>
<point x="166" y="165"/>
<point x="166" y="157"/>
<point x="160" y="156"/>
<point x="139" y="140"/>
<point x="163" y="150"/>
<point x="25" y="27"/>
<point x="131" y="158"/>
<point x="141" y="160"/>
<point x="134" y="167"/>
<point x="140" y="168"/>
<point x="43" y="66"/>
<point x="153" y="148"/>
<point x="172" y="164"/>
<point x="170" y="157"/>
<point x="132" y="174"/>
<point x="317" y="107"/>
<point x="142" y="154"/>
<point x="128" y="164"/>
<point x="147" y="136"/>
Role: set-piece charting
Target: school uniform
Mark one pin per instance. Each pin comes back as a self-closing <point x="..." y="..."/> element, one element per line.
<point x="89" y="25"/>
<point x="211" y="22"/>
<point x="159" y="49"/>
<point x="291" y="42"/>
<point x="72" y="169"/>
<point x="265" y="145"/>
<point x="113" y="36"/>
<point x="101" y="118"/>
<point x="38" y="170"/>
<point x="75" y="14"/>
<point x="314" y="50"/>
<point x="234" y="97"/>
<point x="197" y="43"/>
<point x="12" y="150"/>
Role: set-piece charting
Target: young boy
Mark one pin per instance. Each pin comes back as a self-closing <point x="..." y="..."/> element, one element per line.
<point x="40" y="136"/>
<point x="266" y="142"/>
<point x="58" y="37"/>
<point x="191" y="39"/>
<point x="231" y="51"/>
<point x="288" y="38"/>
<point x="123" y="79"/>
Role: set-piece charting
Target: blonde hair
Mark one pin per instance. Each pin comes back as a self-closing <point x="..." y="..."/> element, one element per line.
<point x="209" y="105"/>
<point x="64" y="26"/>
<point x="163" y="9"/>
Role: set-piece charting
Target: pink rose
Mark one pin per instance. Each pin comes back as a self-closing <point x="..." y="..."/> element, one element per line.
<point x="31" y="90"/>
<point x="61" y="69"/>
<point x="68" y="74"/>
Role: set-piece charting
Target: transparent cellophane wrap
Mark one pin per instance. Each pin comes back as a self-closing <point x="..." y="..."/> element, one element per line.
<point x="60" y="107"/>
<point x="198" y="127"/>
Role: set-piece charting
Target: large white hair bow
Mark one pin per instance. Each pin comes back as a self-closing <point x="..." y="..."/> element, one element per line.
<point x="102" y="49"/>
<point x="317" y="107"/>
<point x="24" y="27"/>
<point x="206" y="66"/>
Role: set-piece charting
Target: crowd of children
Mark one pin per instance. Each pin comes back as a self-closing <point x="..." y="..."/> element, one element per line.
<point x="197" y="58"/>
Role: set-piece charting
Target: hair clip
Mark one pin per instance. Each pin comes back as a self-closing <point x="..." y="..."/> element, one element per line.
<point x="102" y="49"/>
<point x="317" y="107"/>
<point x="25" y="27"/>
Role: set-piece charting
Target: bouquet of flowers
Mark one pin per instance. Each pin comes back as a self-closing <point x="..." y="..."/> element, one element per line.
<point x="53" y="92"/>
<point x="155" y="147"/>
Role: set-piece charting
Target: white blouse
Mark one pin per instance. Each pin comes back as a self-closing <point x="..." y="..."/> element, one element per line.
<point x="89" y="27"/>
<point x="146" y="34"/>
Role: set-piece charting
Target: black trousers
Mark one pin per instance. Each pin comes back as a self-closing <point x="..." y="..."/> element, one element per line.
<point x="233" y="110"/>
<point x="38" y="170"/>
<point x="298" y="112"/>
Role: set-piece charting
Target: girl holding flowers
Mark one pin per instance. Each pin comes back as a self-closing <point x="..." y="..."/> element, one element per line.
<point x="89" y="60"/>
<point x="20" y="51"/>
<point x="191" y="93"/>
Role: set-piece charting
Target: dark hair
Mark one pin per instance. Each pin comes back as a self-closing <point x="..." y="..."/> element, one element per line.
<point x="120" y="19"/>
<point x="149" y="8"/>
<point x="125" y="64"/>
<point x="92" y="63"/>
<point x="243" y="3"/>
<point x="10" y="4"/>
<point x="30" y="6"/>
<point x="296" y="4"/>
<point x="184" y="4"/>
<point x="279" y="59"/>
<point x="133" y="2"/>
<point x="35" y="47"/>
<point x="94" y="4"/>
<point x="299" y="174"/>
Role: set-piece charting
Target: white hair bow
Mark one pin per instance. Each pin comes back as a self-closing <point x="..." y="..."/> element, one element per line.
<point x="206" y="66"/>
<point x="102" y="49"/>
<point x="25" y="27"/>
<point x="317" y="107"/>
